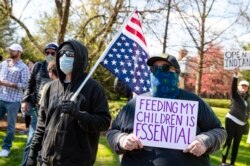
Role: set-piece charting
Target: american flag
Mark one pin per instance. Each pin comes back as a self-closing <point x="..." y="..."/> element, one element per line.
<point x="127" y="54"/>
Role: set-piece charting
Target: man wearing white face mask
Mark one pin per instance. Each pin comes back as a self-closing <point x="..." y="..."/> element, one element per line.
<point x="39" y="76"/>
<point x="66" y="61"/>
<point x="67" y="131"/>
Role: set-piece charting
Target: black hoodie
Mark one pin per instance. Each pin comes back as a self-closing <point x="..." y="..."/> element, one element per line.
<point x="62" y="138"/>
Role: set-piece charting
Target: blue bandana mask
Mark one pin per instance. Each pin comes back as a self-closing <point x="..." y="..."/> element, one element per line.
<point x="165" y="84"/>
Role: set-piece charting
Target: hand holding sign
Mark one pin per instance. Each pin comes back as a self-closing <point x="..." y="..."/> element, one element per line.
<point x="196" y="148"/>
<point x="165" y="123"/>
<point x="131" y="142"/>
<point x="236" y="72"/>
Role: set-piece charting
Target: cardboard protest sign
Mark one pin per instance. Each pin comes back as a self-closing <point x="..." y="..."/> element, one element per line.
<point x="165" y="123"/>
<point x="237" y="58"/>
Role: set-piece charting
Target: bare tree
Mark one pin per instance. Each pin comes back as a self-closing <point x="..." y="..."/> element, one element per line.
<point x="166" y="27"/>
<point x="62" y="7"/>
<point x="96" y="22"/>
<point x="6" y="7"/>
<point x="63" y="13"/>
<point x="194" y="15"/>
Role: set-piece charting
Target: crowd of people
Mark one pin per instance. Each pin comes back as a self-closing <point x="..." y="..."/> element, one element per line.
<point x="64" y="130"/>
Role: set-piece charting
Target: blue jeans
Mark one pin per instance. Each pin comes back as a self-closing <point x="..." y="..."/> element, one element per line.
<point x="33" y="113"/>
<point x="11" y="108"/>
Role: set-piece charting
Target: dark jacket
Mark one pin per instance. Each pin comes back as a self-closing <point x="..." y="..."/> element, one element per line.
<point x="39" y="76"/>
<point x="122" y="89"/>
<point x="63" y="138"/>
<point x="208" y="125"/>
<point x="238" y="107"/>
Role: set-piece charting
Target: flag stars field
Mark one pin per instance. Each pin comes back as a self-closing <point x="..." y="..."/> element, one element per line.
<point x="127" y="55"/>
<point x="121" y="63"/>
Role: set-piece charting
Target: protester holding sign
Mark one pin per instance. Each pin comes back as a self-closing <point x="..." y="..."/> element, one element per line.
<point x="236" y="118"/>
<point x="122" y="136"/>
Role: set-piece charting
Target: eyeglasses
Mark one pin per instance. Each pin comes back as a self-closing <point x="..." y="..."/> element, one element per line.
<point x="67" y="53"/>
<point x="163" y="68"/>
<point x="51" y="53"/>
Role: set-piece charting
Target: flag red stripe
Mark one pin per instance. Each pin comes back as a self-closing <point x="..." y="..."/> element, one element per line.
<point x="136" y="21"/>
<point x="136" y="33"/>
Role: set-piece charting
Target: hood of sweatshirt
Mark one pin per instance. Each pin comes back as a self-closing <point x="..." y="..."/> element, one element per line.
<point x="80" y="62"/>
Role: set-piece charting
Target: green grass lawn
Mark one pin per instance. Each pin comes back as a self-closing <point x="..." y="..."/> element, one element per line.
<point x="243" y="158"/>
<point x="105" y="157"/>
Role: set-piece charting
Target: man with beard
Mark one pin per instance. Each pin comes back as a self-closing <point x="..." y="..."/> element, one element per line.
<point x="14" y="76"/>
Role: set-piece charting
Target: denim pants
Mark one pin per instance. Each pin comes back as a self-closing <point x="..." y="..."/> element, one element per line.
<point x="11" y="108"/>
<point x="33" y="113"/>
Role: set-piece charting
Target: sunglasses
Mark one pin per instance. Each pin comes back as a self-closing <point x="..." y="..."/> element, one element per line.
<point x="67" y="53"/>
<point x="164" y="68"/>
<point x="51" y="53"/>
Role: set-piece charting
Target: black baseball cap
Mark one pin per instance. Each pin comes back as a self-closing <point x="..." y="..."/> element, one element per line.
<point x="53" y="46"/>
<point x="165" y="57"/>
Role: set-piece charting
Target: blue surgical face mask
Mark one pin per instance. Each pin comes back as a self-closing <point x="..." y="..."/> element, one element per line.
<point x="165" y="84"/>
<point x="49" y="58"/>
<point x="66" y="64"/>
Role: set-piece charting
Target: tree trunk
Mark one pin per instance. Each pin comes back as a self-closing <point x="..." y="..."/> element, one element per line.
<point x="63" y="12"/>
<point x="30" y="36"/>
<point x="201" y="51"/>
<point x="198" y="75"/>
<point x="166" y="28"/>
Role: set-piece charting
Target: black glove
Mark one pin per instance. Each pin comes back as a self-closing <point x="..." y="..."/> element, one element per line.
<point x="72" y="107"/>
<point x="31" y="162"/>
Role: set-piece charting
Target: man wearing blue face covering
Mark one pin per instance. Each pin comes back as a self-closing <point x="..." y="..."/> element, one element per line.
<point x="210" y="135"/>
<point x="67" y="131"/>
